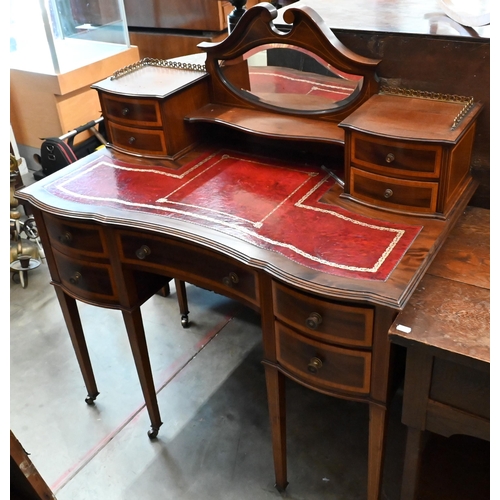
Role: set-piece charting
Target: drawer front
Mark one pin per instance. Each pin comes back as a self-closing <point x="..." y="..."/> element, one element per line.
<point x="323" y="320"/>
<point x="396" y="194"/>
<point x="143" y="141"/>
<point x="194" y="265"/>
<point x="323" y="366"/>
<point x="461" y="387"/>
<point x="397" y="158"/>
<point x="132" y="112"/>
<point x="86" y="280"/>
<point x="74" y="238"/>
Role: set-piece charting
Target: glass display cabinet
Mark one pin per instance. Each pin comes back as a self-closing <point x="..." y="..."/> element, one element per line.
<point x="58" y="49"/>
<point x="56" y="36"/>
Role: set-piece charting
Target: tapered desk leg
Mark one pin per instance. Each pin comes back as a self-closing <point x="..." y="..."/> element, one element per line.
<point x="414" y="444"/>
<point x="275" y="382"/>
<point x="73" y="323"/>
<point x="376" y="445"/>
<point x="137" y="339"/>
<point x="180" y="287"/>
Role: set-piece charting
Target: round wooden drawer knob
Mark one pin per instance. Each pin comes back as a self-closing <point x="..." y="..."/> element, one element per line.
<point x="143" y="252"/>
<point x="75" y="278"/>
<point x="390" y="158"/>
<point x="65" y="238"/>
<point x="231" y="279"/>
<point x="314" y="365"/>
<point x="314" y="320"/>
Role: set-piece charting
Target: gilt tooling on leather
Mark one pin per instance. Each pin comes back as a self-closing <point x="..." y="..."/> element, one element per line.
<point x="270" y="204"/>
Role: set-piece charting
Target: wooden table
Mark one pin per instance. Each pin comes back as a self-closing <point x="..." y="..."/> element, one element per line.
<point x="446" y="330"/>
<point x="26" y="483"/>
<point x="416" y="17"/>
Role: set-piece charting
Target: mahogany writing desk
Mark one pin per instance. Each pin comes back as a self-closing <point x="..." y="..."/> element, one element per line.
<point x="447" y="380"/>
<point x="251" y="213"/>
<point x="327" y="331"/>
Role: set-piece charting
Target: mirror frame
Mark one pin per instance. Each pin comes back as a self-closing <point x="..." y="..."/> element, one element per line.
<point x="308" y="32"/>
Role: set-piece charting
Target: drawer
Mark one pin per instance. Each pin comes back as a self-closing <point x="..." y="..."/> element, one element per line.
<point x="189" y="263"/>
<point x="323" y="320"/>
<point x="143" y="141"/>
<point x="460" y="386"/>
<point x="320" y="365"/>
<point x="86" y="280"/>
<point x="397" y="194"/>
<point x="75" y="238"/>
<point x="132" y="112"/>
<point x="396" y="158"/>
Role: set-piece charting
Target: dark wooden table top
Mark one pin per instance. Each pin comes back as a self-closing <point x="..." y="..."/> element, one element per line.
<point x="450" y="310"/>
<point x="418" y="17"/>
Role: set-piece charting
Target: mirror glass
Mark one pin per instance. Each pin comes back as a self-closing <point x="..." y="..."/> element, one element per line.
<point x="289" y="77"/>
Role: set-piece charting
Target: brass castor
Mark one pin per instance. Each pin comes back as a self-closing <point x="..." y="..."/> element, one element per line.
<point x="185" y="321"/>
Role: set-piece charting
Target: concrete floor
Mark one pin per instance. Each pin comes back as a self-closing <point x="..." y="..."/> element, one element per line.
<point x="215" y="440"/>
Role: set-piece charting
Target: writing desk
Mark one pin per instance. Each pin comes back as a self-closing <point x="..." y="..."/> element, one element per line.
<point x="252" y="214"/>
<point x="106" y="249"/>
<point x="447" y="380"/>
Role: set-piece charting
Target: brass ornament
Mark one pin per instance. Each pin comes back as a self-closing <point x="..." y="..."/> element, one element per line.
<point x="159" y="63"/>
<point x="468" y="102"/>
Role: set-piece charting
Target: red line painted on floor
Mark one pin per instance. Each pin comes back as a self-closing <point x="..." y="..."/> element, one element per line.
<point x="169" y="374"/>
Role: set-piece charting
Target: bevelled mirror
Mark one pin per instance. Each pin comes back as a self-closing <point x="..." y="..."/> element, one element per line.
<point x="289" y="77"/>
<point x="302" y="69"/>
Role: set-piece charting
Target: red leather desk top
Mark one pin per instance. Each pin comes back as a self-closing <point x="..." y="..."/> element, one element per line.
<point x="272" y="205"/>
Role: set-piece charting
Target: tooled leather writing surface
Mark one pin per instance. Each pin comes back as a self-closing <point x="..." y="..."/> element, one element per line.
<point x="265" y="203"/>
